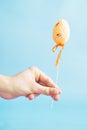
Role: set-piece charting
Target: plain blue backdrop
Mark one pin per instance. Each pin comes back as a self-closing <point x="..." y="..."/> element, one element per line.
<point x="26" y="40"/>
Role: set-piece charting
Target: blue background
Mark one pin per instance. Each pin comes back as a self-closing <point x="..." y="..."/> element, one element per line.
<point x="26" y="40"/>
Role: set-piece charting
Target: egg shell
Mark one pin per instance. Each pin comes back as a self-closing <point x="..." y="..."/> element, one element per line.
<point x="61" y="32"/>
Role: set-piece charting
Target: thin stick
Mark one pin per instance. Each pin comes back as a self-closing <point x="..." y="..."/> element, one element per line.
<point x="57" y="66"/>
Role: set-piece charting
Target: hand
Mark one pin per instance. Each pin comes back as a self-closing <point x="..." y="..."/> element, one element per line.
<point x="31" y="83"/>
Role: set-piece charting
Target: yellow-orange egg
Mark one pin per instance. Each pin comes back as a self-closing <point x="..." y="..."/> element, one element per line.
<point x="61" y="32"/>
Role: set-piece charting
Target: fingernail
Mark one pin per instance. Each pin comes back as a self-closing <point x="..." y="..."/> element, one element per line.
<point x="59" y="91"/>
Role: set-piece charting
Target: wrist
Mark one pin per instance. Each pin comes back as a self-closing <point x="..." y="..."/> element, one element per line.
<point x="5" y="87"/>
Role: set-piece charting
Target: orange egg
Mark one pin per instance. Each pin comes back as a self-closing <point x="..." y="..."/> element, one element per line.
<point x="61" y="33"/>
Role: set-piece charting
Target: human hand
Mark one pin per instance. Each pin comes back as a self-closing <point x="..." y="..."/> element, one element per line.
<point x="31" y="83"/>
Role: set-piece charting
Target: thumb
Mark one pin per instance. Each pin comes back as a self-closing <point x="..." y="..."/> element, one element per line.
<point x="46" y="90"/>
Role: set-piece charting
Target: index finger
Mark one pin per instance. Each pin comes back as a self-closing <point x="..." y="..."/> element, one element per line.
<point x="46" y="80"/>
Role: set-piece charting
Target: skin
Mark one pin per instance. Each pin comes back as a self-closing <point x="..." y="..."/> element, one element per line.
<point x="29" y="83"/>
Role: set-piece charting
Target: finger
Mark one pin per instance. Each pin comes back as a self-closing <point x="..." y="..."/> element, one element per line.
<point x="42" y="78"/>
<point x="32" y="96"/>
<point x="45" y="80"/>
<point x="55" y="97"/>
